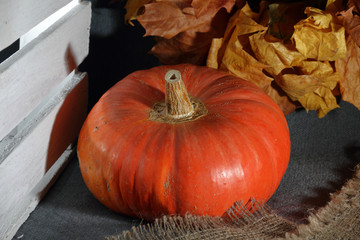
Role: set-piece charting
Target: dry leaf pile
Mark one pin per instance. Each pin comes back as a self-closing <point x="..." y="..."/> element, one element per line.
<point x="301" y="53"/>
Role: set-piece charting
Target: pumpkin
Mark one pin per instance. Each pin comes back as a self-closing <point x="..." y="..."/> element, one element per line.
<point x="182" y="139"/>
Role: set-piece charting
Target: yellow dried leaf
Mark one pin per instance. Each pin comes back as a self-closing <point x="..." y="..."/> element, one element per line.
<point x="233" y="54"/>
<point x="312" y="86"/>
<point x="316" y="68"/>
<point x="212" y="59"/>
<point x="319" y="37"/>
<point x="256" y="16"/>
<point x="349" y="69"/>
<point x="274" y="53"/>
<point x="245" y="24"/>
<point x="297" y="86"/>
<point x="240" y="63"/>
<point x="321" y="100"/>
<point x="234" y="58"/>
<point x="317" y="18"/>
<point x="311" y="75"/>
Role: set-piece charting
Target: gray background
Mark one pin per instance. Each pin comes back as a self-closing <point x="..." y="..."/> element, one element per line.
<point x="324" y="151"/>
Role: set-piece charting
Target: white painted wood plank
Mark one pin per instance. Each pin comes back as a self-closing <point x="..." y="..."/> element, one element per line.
<point x="19" y="16"/>
<point x="31" y="200"/>
<point x="46" y="23"/>
<point x="27" y="170"/>
<point x="14" y="138"/>
<point x="31" y="73"/>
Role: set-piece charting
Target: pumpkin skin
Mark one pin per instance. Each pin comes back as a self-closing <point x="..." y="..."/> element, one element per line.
<point x="143" y="168"/>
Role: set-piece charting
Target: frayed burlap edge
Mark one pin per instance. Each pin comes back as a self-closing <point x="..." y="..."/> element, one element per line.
<point x="339" y="219"/>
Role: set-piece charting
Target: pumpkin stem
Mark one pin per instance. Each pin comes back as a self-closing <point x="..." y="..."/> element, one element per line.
<point x="177" y="100"/>
<point x="178" y="106"/>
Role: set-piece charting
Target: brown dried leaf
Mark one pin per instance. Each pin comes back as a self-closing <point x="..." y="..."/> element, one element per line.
<point x="355" y="4"/>
<point x="132" y="8"/>
<point x="349" y="69"/>
<point x="319" y="37"/>
<point x="191" y="46"/>
<point x="186" y="47"/>
<point x="186" y="28"/>
<point x="334" y="6"/>
<point x="168" y="18"/>
<point x="351" y="21"/>
<point x="210" y="7"/>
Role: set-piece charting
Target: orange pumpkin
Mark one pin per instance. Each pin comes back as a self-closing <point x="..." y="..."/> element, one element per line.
<point x="149" y="147"/>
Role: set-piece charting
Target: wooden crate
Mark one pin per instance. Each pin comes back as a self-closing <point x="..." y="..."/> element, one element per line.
<point x="43" y="99"/>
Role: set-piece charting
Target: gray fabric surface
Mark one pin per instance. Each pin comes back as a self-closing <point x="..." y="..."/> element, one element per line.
<point x="324" y="153"/>
<point x="323" y="156"/>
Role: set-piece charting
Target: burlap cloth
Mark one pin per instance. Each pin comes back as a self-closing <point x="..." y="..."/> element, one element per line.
<point x="339" y="219"/>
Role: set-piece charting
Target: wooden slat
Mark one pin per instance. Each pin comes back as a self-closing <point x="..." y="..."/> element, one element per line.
<point x="31" y="73"/>
<point x="19" y="16"/>
<point x="26" y="172"/>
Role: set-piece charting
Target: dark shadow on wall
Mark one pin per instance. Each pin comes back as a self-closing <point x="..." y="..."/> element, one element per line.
<point x="70" y="115"/>
<point x="116" y="49"/>
<point x="68" y="122"/>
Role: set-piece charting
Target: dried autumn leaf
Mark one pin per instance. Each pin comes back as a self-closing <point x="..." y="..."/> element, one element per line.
<point x="184" y="28"/>
<point x="236" y="58"/>
<point x="321" y="100"/>
<point x="349" y="69"/>
<point x="212" y="59"/>
<point x="321" y="70"/>
<point x="210" y="7"/>
<point x="168" y="18"/>
<point x="319" y="37"/>
<point x="132" y="8"/>
<point x="334" y="6"/>
<point x="355" y="4"/>
<point x="240" y="63"/>
<point x="186" y="47"/>
<point x="274" y="53"/>
<point x="233" y="54"/>
<point x="312" y="86"/>
<point x="259" y="16"/>
<point x="351" y="21"/>
<point x="298" y="85"/>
